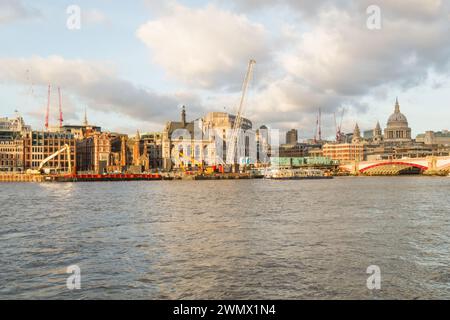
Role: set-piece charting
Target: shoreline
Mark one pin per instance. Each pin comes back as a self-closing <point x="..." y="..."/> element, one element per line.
<point x="25" y="178"/>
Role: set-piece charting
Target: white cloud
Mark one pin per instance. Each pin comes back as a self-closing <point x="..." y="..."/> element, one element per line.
<point x="348" y="59"/>
<point x="309" y="9"/>
<point x="12" y="10"/>
<point x="204" y="47"/>
<point x="334" y="60"/>
<point x="325" y="59"/>
<point x="309" y="54"/>
<point x="96" y="84"/>
<point x="94" y="16"/>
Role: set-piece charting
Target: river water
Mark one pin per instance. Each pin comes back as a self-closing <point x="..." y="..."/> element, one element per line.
<point x="243" y="239"/>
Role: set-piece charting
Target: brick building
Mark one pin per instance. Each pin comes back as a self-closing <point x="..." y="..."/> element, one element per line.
<point x="94" y="153"/>
<point x="344" y="151"/>
<point x="38" y="145"/>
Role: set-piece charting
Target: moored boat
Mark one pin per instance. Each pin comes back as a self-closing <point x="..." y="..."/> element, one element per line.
<point x="296" y="174"/>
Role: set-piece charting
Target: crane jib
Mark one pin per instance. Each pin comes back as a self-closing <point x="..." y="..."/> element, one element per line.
<point x="232" y="141"/>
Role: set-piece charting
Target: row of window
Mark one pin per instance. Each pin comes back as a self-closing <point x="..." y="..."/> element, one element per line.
<point x="9" y="156"/>
<point x="397" y="134"/>
<point x="10" y="150"/>
<point x="51" y="135"/>
<point x="5" y="163"/>
<point x="41" y="157"/>
<point x="53" y="164"/>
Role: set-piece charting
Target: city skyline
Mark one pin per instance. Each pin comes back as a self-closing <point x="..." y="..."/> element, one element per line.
<point x="221" y="159"/>
<point x="140" y="77"/>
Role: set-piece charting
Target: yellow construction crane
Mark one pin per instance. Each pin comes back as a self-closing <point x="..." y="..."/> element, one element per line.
<point x="199" y="164"/>
<point x="66" y="148"/>
<point x="192" y="159"/>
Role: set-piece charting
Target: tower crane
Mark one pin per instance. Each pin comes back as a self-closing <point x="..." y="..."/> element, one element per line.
<point x="60" y="108"/>
<point x="233" y="139"/>
<point x="318" y="129"/>
<point x="47" y="111"/>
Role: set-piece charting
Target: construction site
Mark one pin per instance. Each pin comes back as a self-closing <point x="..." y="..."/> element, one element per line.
<point x="85" y="153"/>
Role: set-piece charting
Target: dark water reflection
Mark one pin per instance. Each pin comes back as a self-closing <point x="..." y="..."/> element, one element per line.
<point x="227" y="239"/>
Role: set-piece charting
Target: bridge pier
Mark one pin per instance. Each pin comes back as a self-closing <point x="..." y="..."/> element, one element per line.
<point x="432" y="163"/>
<point x="356" y="168"/>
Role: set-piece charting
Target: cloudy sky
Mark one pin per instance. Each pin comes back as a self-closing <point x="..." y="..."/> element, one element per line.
<point x="133" y="64"/>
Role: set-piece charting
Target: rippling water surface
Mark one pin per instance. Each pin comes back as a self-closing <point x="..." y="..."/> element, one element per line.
<point x="247" y="239"/>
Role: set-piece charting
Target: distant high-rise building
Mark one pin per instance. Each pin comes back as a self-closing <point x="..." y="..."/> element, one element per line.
<point x="263" y="148"/>
<point x="292" y="136"/>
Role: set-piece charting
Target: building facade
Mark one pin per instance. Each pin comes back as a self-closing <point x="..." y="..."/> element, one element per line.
<point x="17" y="125"/>
<point x="94" y="153"/>
<point x="153" y="143"/>
<point x="80" y="132"/>
<point x="440" y="138"/>
<point x="377" y="134"/>
<point x="294" y="150"/>
<point x="12" y="144"/>
<point x="12" y="155"/>
<point x="201" y="142"/>
<point x="344" y="151"/>
<point x="356" y="138"/>
<point x="119" y="153"/>
<point x="292" y="136"/>
<point x="38" y="145"/>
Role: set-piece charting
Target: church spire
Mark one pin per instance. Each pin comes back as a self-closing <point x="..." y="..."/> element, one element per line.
<point x="85" y="118"/>
<point x="397" y="106"/>
<point x="378" y="127"/>
<point x="356" y="134"/>
<point x="138" y="135"/>
<point x="377" y="133"/>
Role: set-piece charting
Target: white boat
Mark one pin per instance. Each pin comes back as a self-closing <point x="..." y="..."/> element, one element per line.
<point x="295" y="174"/>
